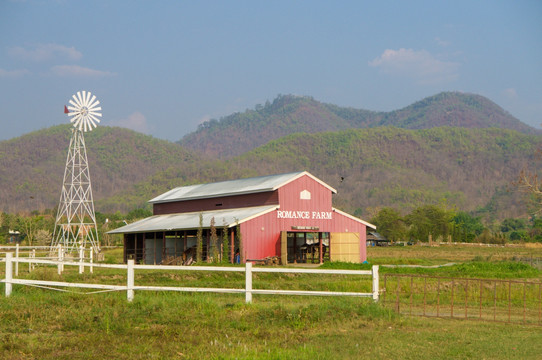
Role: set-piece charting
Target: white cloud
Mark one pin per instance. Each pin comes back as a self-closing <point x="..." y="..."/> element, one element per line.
<point x="419" y="65"/>
<point x="510" y="93"/>
<point x="135" y="121"/>
<point x="78" y="71"/>
<point x="13" y="73"/>
<point x="44" y="52"/>
<point x="441" y="42"/>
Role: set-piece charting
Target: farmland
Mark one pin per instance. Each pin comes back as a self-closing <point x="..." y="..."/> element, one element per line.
<point x="36" y="323"/>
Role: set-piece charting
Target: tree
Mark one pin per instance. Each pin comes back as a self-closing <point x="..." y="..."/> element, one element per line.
<point x="199" y="240"/>
<point x="390" y="224"/>
<point x="466" y="227"/>
<point x="429" y="220"/>
<point x="225" y="244"/>
<point x="214" y="242"/>
<point x="528" y="182"/>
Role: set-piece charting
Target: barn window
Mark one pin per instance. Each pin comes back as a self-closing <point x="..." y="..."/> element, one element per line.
<point x="305" y="195"/>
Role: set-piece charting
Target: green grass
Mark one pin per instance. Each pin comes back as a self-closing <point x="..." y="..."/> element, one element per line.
<point x="43" y="324"/>
<point x="47" y="325"/>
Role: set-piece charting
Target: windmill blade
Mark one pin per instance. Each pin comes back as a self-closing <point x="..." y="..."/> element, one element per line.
<point x="80" y="98"/>
<point x="94" y="118"/>
<point x="91" y="123"/>
<point x="94" y="113"/>
<point x="91" y="102"/>
<point x="84" y="98"/>
<point x="89" y="94"/>
<point x="75" y="101"/>
<point x="95" y="109"/>
<point x="85" y="123"/>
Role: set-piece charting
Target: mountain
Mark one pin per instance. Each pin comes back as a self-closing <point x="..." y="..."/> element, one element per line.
<point x="371" y="166"/>
<point x="32" y="166"/>
<point x="240" y="132"/>
<point x="469" y="168"/>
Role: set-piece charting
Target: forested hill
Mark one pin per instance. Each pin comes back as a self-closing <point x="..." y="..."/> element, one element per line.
<point x="386" y="166"/>
<point x="32" y="166"/>
<point x="240" y="132"/>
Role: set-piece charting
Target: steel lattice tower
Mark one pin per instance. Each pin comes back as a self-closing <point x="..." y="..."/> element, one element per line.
<point x="75" y="224"/>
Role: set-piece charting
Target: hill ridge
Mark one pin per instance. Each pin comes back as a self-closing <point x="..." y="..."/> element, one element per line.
<point x="240" y="132"/>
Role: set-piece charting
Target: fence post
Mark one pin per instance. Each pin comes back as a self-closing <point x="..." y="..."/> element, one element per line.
<point x="91" y="256"/>
<point x="81" y="257"/>
<point x="17" y="256"/>
<point x="376" y="284"/>
<point x="60" y="259"/>
<point x="30" y="264"/>
<point x="248" y="282"/>
<point x="9" y="273"/>
<point x="130" y="285"/>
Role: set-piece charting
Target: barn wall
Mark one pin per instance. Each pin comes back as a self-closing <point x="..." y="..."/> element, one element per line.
<point x="225" y="202"/>
<point x="261" y="236"/>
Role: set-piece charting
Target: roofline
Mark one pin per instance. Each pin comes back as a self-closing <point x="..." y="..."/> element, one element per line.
<point x="355" y="218"/>
<point x="295" y="177"/>
<point x="231" y="225"/>
<point x="239" y="222"/>
<point x="309" y="175"/>
<point x="208" y="196"/>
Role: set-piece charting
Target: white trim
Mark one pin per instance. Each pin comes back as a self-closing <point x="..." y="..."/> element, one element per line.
<point x="354" y="218"/>
<point x="309" y="175"/>
<point x="239" y="222"/>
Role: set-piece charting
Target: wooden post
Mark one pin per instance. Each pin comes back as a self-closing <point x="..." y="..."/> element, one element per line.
<point x="33" y="256"/>
<point x="60" y="259"/>
<point x="130" y="282"/>
<point x="248" y="282"/>
<point x="232" y="247"/>
<point x="9" y="273"/>
<point x="17" y="256"/>
<point x="81" y="258"/>
<point x="375" y="283"/>
<point x="321" y="248"/>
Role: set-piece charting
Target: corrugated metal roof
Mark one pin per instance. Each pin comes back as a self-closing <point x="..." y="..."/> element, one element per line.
<point x="232" y="187"/>
<point x="183" y="221"/>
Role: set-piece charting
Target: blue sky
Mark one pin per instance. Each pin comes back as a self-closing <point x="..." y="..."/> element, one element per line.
<point x="163" y="67"/>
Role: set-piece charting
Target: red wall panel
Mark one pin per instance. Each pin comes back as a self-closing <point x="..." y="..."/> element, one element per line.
<point x="261" y="236"/>
<point x="226" y="202"/>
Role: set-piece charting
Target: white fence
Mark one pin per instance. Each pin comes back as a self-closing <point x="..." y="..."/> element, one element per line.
<point x="130" y="286"/>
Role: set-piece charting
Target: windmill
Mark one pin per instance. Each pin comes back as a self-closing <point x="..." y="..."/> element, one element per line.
<point x="75" y="224"/>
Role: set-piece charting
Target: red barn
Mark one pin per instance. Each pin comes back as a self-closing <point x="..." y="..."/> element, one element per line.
<point x="287" y="216"/>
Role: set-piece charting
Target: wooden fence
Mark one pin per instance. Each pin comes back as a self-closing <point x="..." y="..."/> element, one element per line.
<point x="131" y="287"/>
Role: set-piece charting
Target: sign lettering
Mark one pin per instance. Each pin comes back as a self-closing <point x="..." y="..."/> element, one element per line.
<point x="307" y="215"/>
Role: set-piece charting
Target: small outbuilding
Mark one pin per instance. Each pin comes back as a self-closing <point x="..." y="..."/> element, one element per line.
<point x="285" y="217"/>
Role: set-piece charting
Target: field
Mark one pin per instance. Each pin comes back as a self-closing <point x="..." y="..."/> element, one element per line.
<point x="41" y="324"/>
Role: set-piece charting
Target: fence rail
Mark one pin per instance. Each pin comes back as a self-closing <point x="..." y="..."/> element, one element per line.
<point x="131" y="287"/>
<point x="511" y="301"/>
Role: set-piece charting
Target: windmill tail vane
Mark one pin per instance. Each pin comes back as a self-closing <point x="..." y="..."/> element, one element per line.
<point x="66" y="111"/>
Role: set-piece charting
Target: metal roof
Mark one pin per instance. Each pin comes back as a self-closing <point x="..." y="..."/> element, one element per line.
<point x="233" y="187"/>
<point x="187" y="221"/>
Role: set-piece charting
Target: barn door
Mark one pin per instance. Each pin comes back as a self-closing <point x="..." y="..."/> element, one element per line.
<point x="344" y="247"/>
<point x="284" y="247"/>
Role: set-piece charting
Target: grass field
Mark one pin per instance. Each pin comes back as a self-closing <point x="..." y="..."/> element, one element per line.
<point x="41" y="324"/>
